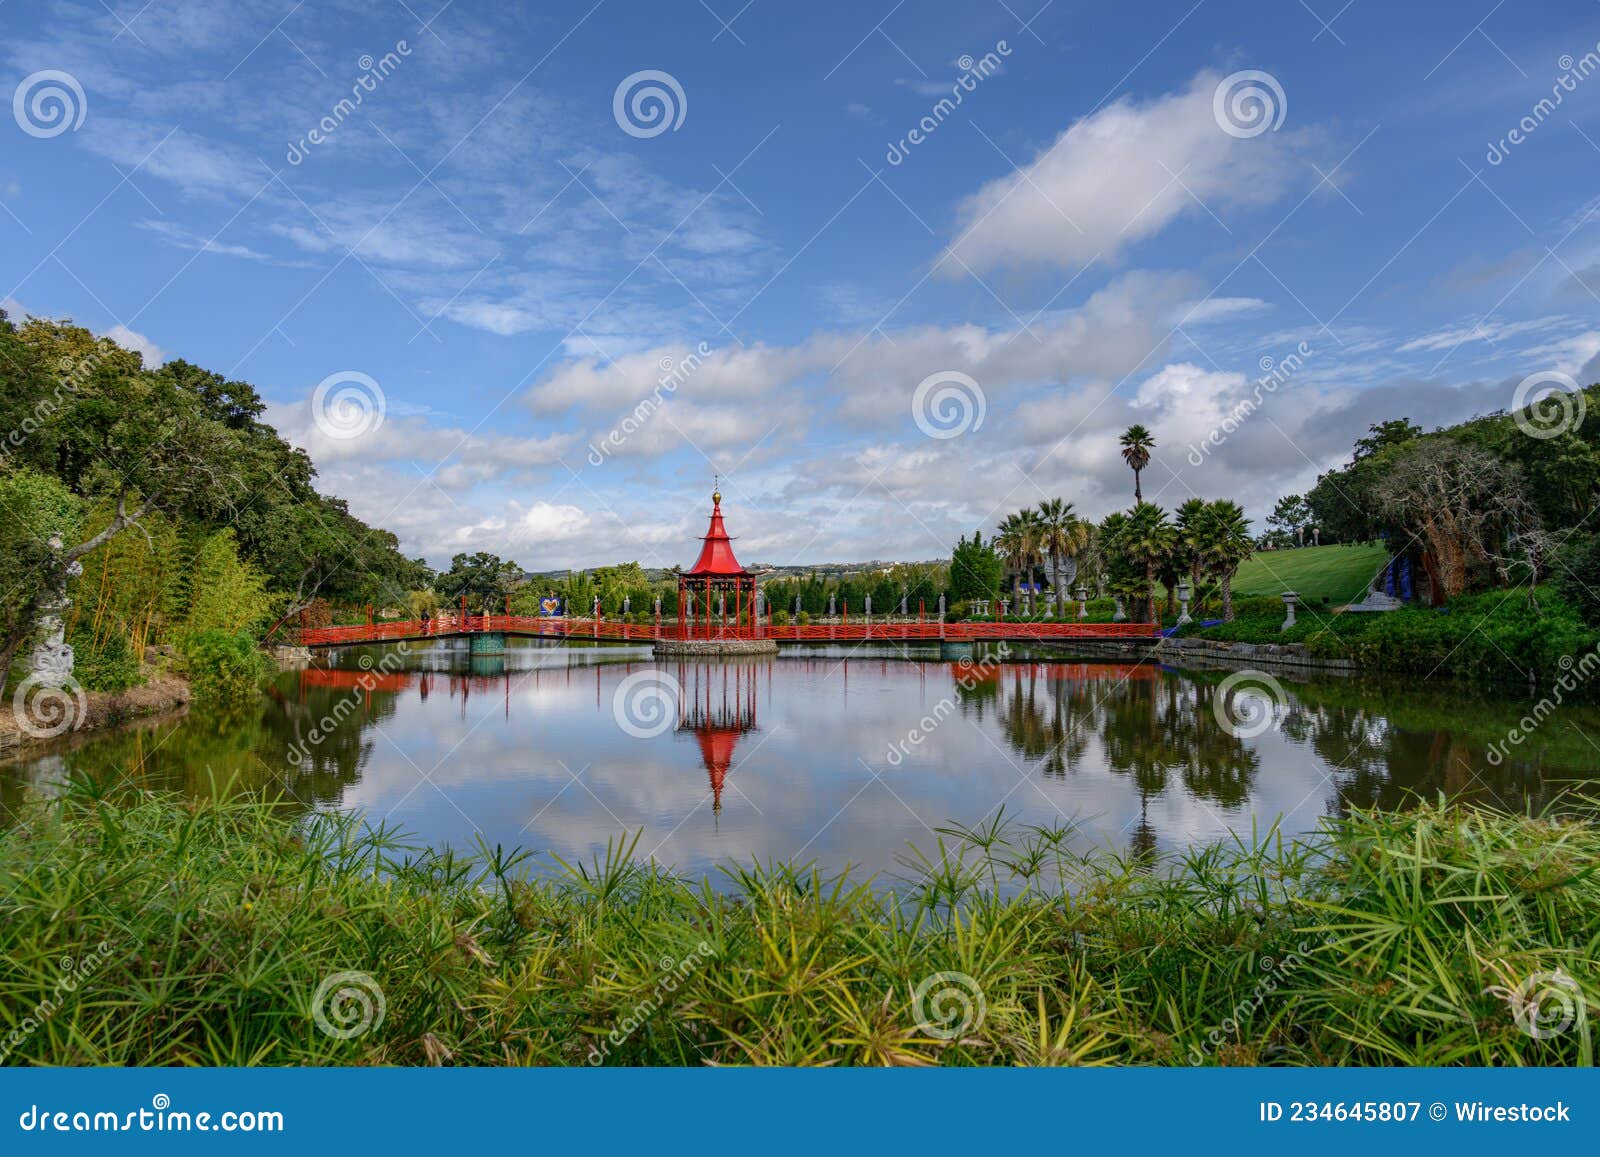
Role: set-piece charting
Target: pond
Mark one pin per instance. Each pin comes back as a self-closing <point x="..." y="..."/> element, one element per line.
<point x="841" y="756"/>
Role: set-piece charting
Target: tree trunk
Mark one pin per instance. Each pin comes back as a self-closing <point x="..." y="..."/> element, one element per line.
<point x="1227" y="596"/>
<point x="1138" y="496"/>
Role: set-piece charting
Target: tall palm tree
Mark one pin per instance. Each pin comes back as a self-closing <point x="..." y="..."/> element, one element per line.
<point x="1018" y="539"/>
<point x="1147" y="539"/>
<point x="1191" y="526"/>
<point x="1137" y="442"/>
<point x="1227" y="544"/>
<point x="1062" y="534"/>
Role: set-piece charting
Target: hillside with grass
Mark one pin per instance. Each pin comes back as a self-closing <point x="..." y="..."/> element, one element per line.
<point x="1338" y="573"/>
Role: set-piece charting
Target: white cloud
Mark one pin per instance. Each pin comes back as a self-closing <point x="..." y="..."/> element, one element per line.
<point x="1118" y="176"/>
<point x="1480" y="331"/>
<point x="128" y="339"/>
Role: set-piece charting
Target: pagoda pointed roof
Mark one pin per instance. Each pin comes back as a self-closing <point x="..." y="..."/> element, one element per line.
<point x="716" y="556"/>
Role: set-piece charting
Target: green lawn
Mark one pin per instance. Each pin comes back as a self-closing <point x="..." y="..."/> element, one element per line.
<point x="1339" y="572"/>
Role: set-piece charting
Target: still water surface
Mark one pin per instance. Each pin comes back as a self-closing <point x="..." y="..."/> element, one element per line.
<point x="833" y="756"/>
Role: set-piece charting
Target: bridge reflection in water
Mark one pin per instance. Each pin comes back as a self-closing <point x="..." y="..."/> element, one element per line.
<point x="843" y="757"/>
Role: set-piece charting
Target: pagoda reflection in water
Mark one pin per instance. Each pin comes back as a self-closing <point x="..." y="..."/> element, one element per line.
<point x="718" y="707"/>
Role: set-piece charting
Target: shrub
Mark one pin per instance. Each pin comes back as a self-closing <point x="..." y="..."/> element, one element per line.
<point x="114" y="667"/>
<point x="1578" y="576"/>
<point x="803" y="618"/>
<point x="225" y="670"/>
<point x="780" y="618"/>
<point x="1385" y="939"/>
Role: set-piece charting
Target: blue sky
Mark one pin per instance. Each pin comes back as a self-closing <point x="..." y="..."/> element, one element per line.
<point x="507" y="253"/>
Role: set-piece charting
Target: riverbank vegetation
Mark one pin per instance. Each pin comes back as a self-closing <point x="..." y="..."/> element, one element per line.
<point x="176" y="511"/>
<point x="1435" y="937"/>
<point x="1493" y="635"/>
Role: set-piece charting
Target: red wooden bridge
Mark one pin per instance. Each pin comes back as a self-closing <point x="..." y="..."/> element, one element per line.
<point x="450" y="626"/>
<point x="718" y="599"/>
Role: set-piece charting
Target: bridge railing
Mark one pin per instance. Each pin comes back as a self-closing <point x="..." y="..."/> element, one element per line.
<point x="533" y="626"/>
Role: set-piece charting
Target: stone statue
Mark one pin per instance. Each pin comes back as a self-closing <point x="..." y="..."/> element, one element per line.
<point x="51" y="659"/>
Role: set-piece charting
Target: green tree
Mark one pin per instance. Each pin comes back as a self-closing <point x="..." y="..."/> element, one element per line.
<point x="1062" y="535"/>
<point x="1146" y="539"/>
<point x="1224" y="534"/>
<point x="975" y="570"/>
<point x="483" y="578"/>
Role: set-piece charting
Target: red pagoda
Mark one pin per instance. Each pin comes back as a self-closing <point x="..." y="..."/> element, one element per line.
<point x="715" y="585"/>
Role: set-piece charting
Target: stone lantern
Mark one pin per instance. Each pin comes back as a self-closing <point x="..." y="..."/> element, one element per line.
<point x="1290" y="598"/>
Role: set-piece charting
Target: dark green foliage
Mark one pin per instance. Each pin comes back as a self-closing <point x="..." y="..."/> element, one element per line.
<point x="224" y="669"/>
<point x="1493" y="635"/>
<point x="975" y="569"/>
<point x="1578" y="577"/>
<point x="114" y="667"/>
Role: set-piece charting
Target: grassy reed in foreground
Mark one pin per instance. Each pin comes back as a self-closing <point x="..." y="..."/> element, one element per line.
<point x="199" y="933"/>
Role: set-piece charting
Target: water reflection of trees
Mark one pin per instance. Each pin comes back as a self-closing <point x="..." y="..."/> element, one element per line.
<point x="1377" y="748"/>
